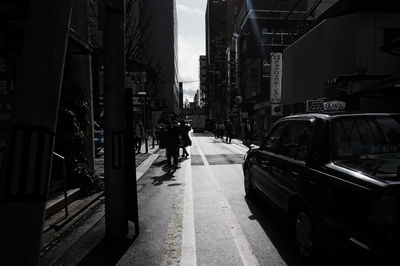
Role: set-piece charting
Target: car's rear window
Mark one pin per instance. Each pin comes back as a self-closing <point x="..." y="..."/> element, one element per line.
<point x="368" y="143"/>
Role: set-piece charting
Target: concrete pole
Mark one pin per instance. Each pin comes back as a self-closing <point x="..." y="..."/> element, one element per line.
<point x="115" y="164"/>
<point x="39" y="76"/>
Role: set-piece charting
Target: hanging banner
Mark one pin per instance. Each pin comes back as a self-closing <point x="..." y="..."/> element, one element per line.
<point x="276" y="77"/>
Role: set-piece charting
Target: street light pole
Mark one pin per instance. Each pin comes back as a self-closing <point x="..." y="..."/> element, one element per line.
<point x="115" y="122"/>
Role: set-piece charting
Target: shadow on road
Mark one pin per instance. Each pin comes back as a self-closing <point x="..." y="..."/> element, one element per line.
<point x="279" y="231"/>
<point x="275" y="227"/>
<point x="107" y="252"/>
<point x="159" y="180"/>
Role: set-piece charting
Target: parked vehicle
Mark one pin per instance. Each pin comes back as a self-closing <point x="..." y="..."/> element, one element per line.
<point x="198" y="122"/>
<point x="336" y="177"/>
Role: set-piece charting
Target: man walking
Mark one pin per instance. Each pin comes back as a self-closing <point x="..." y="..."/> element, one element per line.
<point x="229" y="131"/>
<point x="172" y="143"/>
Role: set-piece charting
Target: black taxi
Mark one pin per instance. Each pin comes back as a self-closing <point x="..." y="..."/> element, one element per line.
<point x="335" y="176"/>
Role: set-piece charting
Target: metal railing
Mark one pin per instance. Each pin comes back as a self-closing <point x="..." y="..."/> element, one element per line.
<point x="64" y="173"/>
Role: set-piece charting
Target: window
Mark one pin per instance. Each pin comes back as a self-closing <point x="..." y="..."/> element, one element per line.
<point x="295" y="143"/>
<point x="273" y="140"/>
<point x="366" y="138"/>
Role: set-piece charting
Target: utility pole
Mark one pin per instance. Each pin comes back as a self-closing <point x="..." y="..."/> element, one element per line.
<point x="115" y="122"/>
<point x="37" y="95"/>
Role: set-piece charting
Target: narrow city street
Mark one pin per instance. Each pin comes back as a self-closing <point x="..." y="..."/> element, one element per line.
<point x="196" y="215"/>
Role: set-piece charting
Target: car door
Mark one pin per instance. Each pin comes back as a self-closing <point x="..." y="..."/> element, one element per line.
<point x="264" y="163"/>
<point x="290" y="164"/>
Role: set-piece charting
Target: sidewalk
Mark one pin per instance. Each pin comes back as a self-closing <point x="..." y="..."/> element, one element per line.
<point x="57" y="224"/>
<point x="160" y="203"/>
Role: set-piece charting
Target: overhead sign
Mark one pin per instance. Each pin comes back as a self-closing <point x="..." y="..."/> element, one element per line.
<point x="276" y="77"/>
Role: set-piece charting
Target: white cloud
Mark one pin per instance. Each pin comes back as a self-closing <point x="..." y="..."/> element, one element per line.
<point x="190" y="48"/>
<point x="191" y="43"/>
<point x="192" y="10"/>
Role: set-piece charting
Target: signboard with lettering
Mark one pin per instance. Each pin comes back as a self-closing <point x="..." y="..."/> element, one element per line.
<point x="334" y="106"/>
<point x="276" y="77"/>
<point x="321" y="105"/>
<point x="314" y="105"/>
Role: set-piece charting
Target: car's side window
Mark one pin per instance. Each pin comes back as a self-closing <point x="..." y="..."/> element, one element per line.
<point x="296" y="141"/>
<point x="304" y="143"/>
<point x="273" y="139"/>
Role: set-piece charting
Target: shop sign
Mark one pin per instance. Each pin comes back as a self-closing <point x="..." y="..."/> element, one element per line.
<point x="276" y="77"/>
<point x="261" y="105"/>
<point x="276" y="110"/>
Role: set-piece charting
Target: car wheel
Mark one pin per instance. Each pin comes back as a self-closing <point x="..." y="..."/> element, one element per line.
<point x="305" y="237"/>
<point x="248" y="186"/>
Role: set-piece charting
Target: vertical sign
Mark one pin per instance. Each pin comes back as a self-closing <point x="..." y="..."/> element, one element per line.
<point x="276" y="77"/>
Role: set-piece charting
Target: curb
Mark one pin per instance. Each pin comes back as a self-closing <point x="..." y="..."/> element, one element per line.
<point x="57" y="204"/>
<point x="70" y="221"/>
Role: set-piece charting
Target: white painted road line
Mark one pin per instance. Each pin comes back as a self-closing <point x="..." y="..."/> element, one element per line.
<point x="188" y="234"/>
<point x="229" y="146"/>
<point x="243" y="246"/>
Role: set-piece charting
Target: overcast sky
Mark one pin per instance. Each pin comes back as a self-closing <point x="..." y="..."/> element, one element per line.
<point x="191" y="42"/>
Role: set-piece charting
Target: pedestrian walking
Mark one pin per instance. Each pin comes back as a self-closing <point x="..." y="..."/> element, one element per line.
<point x="248" y="133"/>
<point x="172" y="143"/>
<point x="229" y="131"/>
<point x="242" y="130"/>
<point x="139" y="133"/>
<point x="221" y="126"/>
<point x="185" y="139"/>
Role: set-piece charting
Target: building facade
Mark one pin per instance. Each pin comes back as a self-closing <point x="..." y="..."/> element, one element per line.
<point x="161" y="52"/>
<point x="344" y="58"/>
<point x="216" y="40"/>
<point x="203" y="80"/>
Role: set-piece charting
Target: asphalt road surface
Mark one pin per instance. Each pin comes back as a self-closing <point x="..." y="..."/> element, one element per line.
<point x="196" y="215"/>
<point x="210" y="221"/>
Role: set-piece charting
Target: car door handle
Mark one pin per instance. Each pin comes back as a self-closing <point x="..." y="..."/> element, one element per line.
<point x="265" y="163"/>
<point x="294" y="175"/>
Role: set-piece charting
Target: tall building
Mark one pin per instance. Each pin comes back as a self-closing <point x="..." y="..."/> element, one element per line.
<point x="161" y="51"/>
<point x="216" y="40"/>
<point x="203" y="80"/>
<point x="180" y="95"/>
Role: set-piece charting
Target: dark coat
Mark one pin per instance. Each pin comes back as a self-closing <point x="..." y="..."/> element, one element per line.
<point x="172" y="137"/>
<point x="184" y="131"/>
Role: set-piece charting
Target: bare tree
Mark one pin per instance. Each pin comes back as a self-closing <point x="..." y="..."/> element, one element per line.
<point x="138" y="31"/>
<point x="138" y="35"/>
